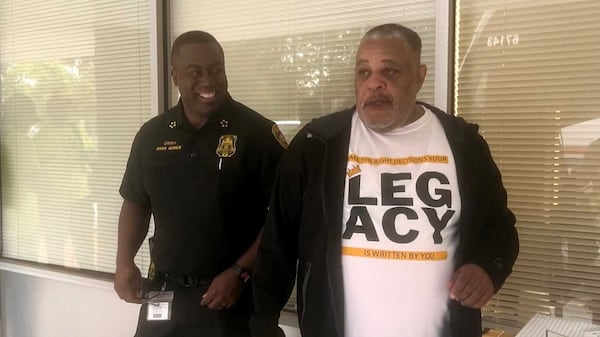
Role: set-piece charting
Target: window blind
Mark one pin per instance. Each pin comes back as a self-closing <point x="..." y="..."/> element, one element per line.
<point x="75" y="89"/>
<point x="528" y="72"/>
<point x="294" y="60"/>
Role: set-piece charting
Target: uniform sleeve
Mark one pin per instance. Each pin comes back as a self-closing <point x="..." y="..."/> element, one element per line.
<point x="132" y="186"/>
<point x="270" y="151"/>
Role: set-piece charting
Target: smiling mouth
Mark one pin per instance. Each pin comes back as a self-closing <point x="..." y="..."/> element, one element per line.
<point x="207" y="94"/>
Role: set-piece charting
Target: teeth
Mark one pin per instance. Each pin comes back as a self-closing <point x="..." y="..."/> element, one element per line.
<point x="207" y="94"/>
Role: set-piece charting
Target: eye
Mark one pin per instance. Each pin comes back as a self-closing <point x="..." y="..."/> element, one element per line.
<point x="363" y="73"/>
<point x="193" y="74"/>
<point x="391" y="72"/>
<point x="216" y="71"/>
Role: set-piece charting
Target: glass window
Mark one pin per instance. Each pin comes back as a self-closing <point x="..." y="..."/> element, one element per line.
<point x="529" y="73"/>
<point x="294" y="60"/>
<point x="75" y="89"/>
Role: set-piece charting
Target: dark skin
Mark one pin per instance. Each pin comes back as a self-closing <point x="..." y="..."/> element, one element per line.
<point x="388" y="75"/>
<point x="198" y="70"/>
<point x="133" y="226"/>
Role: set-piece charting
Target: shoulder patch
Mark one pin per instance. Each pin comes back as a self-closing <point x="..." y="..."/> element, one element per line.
<point x="279" y="136"/>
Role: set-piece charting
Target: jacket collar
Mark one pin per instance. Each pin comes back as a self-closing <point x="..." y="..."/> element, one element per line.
<point x="330" y="125"/>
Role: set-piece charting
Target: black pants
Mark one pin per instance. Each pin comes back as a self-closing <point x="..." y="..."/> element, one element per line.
<point x="190" y="319"/>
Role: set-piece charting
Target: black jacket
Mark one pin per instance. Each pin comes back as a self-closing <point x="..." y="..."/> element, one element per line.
<point x="302" y="235"/>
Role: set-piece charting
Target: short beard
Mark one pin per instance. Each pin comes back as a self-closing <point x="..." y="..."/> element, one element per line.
<point x="377" y="126"/>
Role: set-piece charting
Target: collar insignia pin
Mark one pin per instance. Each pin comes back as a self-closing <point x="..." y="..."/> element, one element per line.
<point x="172" y="124"/>
<point x="224" y="123"/>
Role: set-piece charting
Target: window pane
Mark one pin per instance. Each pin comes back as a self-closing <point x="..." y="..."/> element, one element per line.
<point x="75" y="89"/>
<point x="294" y="60"/>
<point x="529" y="73"/>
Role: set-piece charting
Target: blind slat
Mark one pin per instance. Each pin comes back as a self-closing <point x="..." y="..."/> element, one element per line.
<point x="75" y="90"/>
<point x="527" y="72"/>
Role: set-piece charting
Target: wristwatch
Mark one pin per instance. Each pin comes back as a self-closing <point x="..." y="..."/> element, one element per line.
<point x="242" y="273"/>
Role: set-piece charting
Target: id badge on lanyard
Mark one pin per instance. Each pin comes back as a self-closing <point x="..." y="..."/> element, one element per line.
<point x="159" y="304"/>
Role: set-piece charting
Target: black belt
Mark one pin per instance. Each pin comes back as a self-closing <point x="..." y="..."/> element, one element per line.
<point x="186" y="281"/>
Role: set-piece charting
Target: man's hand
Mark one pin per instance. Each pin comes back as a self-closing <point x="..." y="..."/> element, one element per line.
<point x="128" y="283"/>
<point x="471" y="286"/>
<point x="224" y="291"/>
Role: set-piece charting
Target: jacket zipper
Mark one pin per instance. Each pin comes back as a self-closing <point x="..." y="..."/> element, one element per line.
<point x="311" y="135"/>
<point x="323" y="204"/>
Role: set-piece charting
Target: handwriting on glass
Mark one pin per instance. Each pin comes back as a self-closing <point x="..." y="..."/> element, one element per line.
<point x="503" y="40"/>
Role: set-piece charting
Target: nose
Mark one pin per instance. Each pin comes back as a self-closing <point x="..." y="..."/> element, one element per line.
<point x="205" y="80"/>
<point x="375" y="82"/>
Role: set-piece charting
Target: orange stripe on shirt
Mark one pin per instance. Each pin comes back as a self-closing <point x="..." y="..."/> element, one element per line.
<point x="395" y="255"/>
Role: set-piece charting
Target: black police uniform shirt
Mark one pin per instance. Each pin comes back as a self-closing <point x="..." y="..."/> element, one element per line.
<point x="208" y="189"/>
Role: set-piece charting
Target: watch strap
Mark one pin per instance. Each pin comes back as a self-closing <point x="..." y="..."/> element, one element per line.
<point x="242" y="273"/>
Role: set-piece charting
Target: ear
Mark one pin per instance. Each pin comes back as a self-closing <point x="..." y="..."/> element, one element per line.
<point x="421" y="73"/>
<point x="174" y="76"/>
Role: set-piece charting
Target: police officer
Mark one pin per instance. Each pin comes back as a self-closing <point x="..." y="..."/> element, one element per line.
<point x="204" y="171"/>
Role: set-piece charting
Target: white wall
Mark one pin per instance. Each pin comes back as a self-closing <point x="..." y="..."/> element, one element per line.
<point x="33" y="306"/>
<point x="41" y="303"/>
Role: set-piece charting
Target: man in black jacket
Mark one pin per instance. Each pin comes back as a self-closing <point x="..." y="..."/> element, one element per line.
<point x="391" y="214"/>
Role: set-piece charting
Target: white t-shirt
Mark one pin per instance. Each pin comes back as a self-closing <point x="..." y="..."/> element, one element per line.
<point x="401" y="206"/>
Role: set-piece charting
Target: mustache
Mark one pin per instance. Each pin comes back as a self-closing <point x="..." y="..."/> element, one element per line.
<point x="377" y="99"/>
